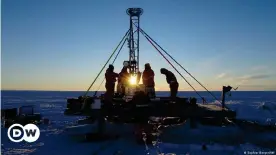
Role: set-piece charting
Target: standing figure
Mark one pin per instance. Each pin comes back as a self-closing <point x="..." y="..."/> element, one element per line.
<point x="110" y="77"/>
<point x="148" y="80"/>
<point x="122" y="80"/>
<point x="172" y="81"/>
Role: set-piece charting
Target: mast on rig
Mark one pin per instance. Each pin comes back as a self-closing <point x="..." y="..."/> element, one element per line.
<point x="133" y="39"/>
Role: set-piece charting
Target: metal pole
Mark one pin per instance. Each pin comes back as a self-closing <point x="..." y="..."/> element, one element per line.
<point x="134" y="14"/>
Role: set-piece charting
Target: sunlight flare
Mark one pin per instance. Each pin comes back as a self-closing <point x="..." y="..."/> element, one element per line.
<point x="133" y="80"/>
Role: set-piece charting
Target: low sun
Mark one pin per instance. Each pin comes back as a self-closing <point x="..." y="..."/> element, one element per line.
<point x="132" y="80"/>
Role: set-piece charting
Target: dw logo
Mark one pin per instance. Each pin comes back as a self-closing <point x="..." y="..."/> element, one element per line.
<point x="29" y="133"/>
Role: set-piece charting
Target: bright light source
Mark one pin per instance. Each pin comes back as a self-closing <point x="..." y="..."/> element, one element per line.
<point x="132" y="80"/>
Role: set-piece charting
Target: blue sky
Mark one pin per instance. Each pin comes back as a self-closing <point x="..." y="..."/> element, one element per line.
<point x="62" y="44"/>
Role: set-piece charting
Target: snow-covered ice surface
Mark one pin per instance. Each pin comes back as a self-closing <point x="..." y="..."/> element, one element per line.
<point x="63" y="137"/>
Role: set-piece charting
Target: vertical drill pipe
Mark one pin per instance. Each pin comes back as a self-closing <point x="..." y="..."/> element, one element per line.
<point x="132" y="45"/>
<point x="134" y="14"/>
<point x="129" y="42"/>
<point x="138" y="44"/>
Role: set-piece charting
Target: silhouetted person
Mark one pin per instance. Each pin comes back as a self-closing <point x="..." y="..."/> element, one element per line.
<point x="224" y="91"/>
<point x="122" y="80"/>
<point x="148" y="79"/>
<point x="172" y="81"/>
<point x="110" y="77"/>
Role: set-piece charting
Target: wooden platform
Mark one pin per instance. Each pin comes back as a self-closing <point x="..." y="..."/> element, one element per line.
<point x="158" y="107"/>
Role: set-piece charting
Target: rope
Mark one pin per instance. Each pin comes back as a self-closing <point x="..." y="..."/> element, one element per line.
<point x="179" y="64"/>
<point x="171" y="65"/>
<point x="106" y="63"/>
<point x="112" y="64"/>
<point x="99" y="87"/>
